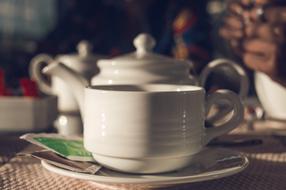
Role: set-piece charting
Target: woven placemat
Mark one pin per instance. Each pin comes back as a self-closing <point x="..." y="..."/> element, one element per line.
<point x="267" y="170"/>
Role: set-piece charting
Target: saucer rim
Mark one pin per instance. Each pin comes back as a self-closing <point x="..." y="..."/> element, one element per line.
<point x="154" y="179"/>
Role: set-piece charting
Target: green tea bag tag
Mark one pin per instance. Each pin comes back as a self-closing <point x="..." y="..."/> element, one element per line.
<point x="69" y="147"/>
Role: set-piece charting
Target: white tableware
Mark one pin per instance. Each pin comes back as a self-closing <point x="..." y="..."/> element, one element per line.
<point x="146" y="128"/>
<point x="69" y="124"/>
<point x="140" y="67"/>
<point x="272" y="96"/>
<point x="83" y="62"/>
<point x="144" y="67"/>
<point x="209" y="164"/>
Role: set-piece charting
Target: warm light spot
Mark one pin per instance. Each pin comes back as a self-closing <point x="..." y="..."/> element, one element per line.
<point x="63" y="120"/>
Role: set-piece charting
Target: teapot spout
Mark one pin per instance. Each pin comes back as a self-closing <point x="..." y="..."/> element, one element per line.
<point x="74" y="80"/>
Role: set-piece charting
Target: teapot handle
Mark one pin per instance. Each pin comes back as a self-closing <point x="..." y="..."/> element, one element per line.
<point x="244" y="81"/>
<point x="36" y="66"/>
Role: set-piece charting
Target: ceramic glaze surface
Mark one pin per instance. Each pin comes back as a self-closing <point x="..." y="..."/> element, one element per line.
<point x="67" y="102"/>
<point x="149" y="128"/>
<point x="146" y="67"/>
<point x="209" y="164"/>
<point x="271" y="95"/>
<point x="136" y="124"/>
<point x="143" y="67"/>
<point x="83" y="62"/>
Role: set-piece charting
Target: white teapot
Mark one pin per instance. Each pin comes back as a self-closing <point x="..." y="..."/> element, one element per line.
<point x="84" y="63"/>
<point x="144" y="66"/>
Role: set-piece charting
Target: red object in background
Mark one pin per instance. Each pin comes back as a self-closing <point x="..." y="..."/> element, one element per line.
<point x="2" y="83"/>
<point x="29" y="87"/>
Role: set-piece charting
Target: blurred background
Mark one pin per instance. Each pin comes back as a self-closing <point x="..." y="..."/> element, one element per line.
<point x="184" y="29"/>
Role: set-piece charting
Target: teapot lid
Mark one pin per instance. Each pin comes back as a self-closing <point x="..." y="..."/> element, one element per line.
<point x="84" y="54"/>
<point x="84" y="62"/>
<point x="143" y="56"/>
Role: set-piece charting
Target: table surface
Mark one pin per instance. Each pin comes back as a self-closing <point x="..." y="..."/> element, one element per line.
<point x="267" y="168"/>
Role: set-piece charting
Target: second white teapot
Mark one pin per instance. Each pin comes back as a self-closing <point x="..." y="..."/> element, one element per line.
<point x="144" y="66"/>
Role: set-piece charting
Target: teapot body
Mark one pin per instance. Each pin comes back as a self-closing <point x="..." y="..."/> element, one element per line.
<point x="143" y="67"/>
<point x="148" y="75"/>
<point x="66" y="101"/>
<point x="84" y="63"/>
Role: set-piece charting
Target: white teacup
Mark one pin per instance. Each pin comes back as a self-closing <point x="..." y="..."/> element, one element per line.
<point x="151" y="128"/>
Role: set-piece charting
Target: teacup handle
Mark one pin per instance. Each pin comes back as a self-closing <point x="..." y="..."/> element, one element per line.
<point x="36" y="66"/>
<point x="218" y="63"/>
<point x="231" y="99"/>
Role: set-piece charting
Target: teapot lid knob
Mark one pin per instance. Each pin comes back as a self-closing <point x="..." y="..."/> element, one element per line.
<point x="144" y="43"/>
<point x="84" y="48"/>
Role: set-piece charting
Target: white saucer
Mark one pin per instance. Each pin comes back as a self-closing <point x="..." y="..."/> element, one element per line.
<point x="211" y="163"/>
